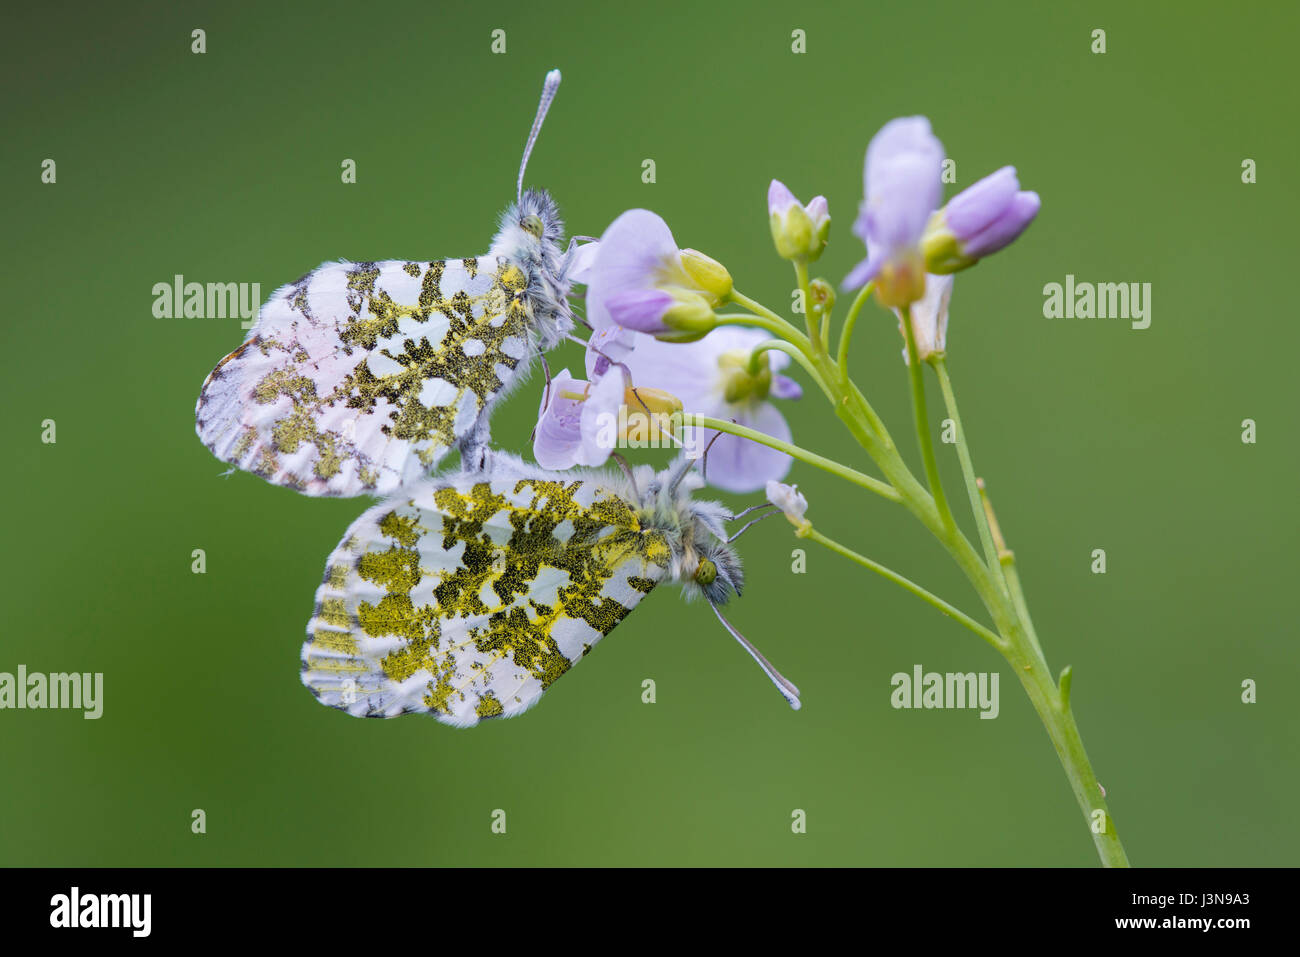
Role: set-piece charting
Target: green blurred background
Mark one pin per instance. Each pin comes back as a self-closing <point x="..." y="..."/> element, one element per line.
<point x="225" y="167"/>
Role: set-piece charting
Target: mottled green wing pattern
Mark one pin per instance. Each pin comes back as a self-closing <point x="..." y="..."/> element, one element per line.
<point x="359" y="377"/>
<point x="468" y="596"/>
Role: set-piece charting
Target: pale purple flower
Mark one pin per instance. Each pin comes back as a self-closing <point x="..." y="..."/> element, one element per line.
<point x="581" y="261"/>
<point x="929" y="318"/>
<point x="710" y="377"/>
<point x="799" y="231"/>
<point x="608" y="346"/>
<point x="789" y="500"/>
<point x="639" y="279"/>
<point x="902" y="187"/>
<point x="574" y="421"/>
<point x="978" y="221"/>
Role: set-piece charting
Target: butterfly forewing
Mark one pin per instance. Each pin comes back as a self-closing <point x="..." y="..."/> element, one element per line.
<point x="467" y="597"/>
<point x="359" y="377"/>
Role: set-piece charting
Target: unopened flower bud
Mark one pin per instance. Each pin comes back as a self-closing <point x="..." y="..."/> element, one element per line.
<point x="980" y="220"/>
<point x="709" y="275"/>
<point x="799" y="232"/>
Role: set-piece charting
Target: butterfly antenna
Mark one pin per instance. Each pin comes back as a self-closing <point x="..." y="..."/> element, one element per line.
<point x="788" y="691"/>
<point x="548" y="94"/>
<point x="704" y="465"/>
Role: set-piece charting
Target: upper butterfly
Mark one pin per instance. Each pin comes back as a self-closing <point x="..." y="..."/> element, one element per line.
<point x="360" y="376"/>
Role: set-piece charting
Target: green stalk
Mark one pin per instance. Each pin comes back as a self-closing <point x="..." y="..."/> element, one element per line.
<point x="991" y="556"/>
<point x="883" y="489"/>
<point x="923" y="421"/>
<point x="814" y="329"/>
<point x="893" y="576"/>
<point x="842" y="360"/>
<point x="994" y="580"/>
<point x="794" y="352"/>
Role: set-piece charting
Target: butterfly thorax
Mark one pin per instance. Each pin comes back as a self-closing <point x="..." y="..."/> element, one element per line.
<point x="530" y="238"/>
<point x="701" y="560"/>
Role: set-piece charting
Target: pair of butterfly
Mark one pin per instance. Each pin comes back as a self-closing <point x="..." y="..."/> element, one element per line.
<point x="462" y="595"/>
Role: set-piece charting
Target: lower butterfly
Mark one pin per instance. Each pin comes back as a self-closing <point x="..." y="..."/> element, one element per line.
<point x="360" y="376"/>
<point x="466" y="596"/>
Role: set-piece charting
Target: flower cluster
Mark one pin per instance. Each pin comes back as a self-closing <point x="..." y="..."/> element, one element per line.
<point x="659" y="347"/>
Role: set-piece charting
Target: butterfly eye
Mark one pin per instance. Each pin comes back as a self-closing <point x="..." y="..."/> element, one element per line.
<point x="706" y="573"/>
<point x="533" y="223"/>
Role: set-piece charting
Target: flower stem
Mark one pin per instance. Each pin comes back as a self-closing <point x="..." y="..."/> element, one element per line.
<point x="794" y="352"/>
<point x="814" y="328"/>
<point x="991" y="552"/>
<point x="883" y="489"/>
<point x="994" y="579"/>
<point x="1007" y="562"/>
<point x="1018" y="643"/>
<point x="771" y="321"/>
<point x="1051" y="703"/>
<point x="849" y="322"/>
<point x="991" y="637"/>
<point x="923" y="421"/>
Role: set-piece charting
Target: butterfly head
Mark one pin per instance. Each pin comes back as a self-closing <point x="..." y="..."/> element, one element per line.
<point x="530" y="238"/>
<point x="701" y="560"/>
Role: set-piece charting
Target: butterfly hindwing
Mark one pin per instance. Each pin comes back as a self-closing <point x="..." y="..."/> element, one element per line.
<point x="359" y="377"/>
<point x="467" y="596"/>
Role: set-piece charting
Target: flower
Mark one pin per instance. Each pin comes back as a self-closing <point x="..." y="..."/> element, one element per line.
<point x="929" y="318"/>
<point x="713" y="377"/>
<point x="788" y="499"/>
<point x="608" y="346"/>
<point x="902" y="187"/>
<point x="640" y="280"/>
<point x="800" y="232"/>
<point x="571" y="418"/>
<point x="978" y="221"/>
<point x="580" y="262"/>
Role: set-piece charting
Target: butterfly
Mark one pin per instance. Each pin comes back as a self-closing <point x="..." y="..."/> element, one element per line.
<point x="359" y="377"/>
<point x="466" y="596"/>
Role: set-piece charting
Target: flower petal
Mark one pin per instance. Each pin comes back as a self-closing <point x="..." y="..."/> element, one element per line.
<point x="635" y="251"/>
<point x="742" y="465"/>
<point x="930" y="317"/>
<point x="981" y="203"/>
<point x="788" y="499"/>
<point x="902" y="183"/>
<point x="581" y="262"/>
<point x="783" y="387"/>
<point x="558" y="437"/>
<point x="639" y="309"/>
<point x="780" y="199"/>
<point x="1015" y="219"/>
<point x="599" y="421"/>
<point x="864" y="272"/>
<point x="690" y="370"/>
<point x="607" y="346"/>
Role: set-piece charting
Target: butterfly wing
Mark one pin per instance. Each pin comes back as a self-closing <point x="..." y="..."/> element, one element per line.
<point x="467" y="597"/>
<point x="359" y="377"/>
